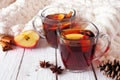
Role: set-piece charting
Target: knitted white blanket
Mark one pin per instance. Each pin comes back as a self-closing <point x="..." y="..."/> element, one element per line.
<point x="16" y="15"/>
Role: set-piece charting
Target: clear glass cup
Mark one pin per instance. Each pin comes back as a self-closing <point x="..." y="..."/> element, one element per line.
<point x="51" y="17"/>
<point x="78" y="45"/>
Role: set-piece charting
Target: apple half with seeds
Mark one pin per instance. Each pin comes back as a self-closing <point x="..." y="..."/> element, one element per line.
<point x="27" y="39"/>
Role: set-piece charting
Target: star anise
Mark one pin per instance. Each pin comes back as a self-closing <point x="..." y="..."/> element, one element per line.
<point x="45" y="64"/>
<point x="56" y="69"/>
<point x="53" y="68"/>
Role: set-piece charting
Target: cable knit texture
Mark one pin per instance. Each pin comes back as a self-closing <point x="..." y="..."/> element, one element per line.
<point x="18" y="15"/>
<point x="5" y="3"/>
<point x="20" y="12"/>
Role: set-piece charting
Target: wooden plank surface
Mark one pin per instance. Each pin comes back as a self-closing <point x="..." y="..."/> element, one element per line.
<point x="23" y="64"/>
<point x="10" y="64"/>
<point x="30" y="69"/>
<point x="87" y="75"/>
<point x="2" y="56"/>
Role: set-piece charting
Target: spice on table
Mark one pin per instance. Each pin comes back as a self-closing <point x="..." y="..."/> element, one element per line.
<point x="8" y="39"/>
<point x="6" y="42"/>
<point x="45" y="64"/>
<point x="55" y="69"/>
<point x="111" y="69"/>
<point x="5" y="46"/>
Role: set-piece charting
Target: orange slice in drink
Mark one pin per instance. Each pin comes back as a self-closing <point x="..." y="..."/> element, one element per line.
<point x="69" y="14"/>
<point x="85" y="45"/>
<point x="54" y="27"/>
<point x="60" y="16"/>
<point x="65" y="25"/>
<point x="74" y="36"/>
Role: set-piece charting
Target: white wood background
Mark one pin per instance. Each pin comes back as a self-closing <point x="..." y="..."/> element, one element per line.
<point x="23" y="64"/>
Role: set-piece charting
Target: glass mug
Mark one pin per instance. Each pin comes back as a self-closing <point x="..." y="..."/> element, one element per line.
<point x="78" y="44"/>
<point x="51" y="17"/>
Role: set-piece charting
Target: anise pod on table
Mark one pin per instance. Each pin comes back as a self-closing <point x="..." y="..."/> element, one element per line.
<point x="45" y="64"/>
<point x="111" y="69"/>
<point x="53" y="68"/>
<point x="56" y="69"/>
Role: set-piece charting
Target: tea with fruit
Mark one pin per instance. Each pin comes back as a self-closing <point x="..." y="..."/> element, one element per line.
<point x="51" y="23"/>
<point x="77" y="48"/>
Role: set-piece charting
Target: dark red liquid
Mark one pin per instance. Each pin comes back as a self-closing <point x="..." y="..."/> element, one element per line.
<point x="50" y="35"/>
<point x="78" y="54"/>
<point x="50" y="24"/>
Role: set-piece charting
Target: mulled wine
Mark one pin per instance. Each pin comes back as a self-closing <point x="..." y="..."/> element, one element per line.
<point x="77" y="48"/>
<point x="51" y="23"/>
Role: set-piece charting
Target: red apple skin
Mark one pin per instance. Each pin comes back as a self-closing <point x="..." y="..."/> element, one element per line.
<point x="29" y="47"/>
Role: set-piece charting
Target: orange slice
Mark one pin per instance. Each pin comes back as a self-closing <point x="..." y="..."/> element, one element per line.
<point x="60" y="16"/>
<point x="74" y="36"/>
<point x="69" y="14"/>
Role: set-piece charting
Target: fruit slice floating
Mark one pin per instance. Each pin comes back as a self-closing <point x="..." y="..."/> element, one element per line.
<point x="69" y="14"/>
<point x="74" y="36"/>
<point x="85" y="44"/>
<point x="65" y="25"/>
<point x="54" y="27"/>
<point x="27" y="39"/>
<point x="60" y="16"/>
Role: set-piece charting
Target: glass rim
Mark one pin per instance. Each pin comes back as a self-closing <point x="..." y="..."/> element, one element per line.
<point x="72" y="17"/>
<point x="59" y="33"/>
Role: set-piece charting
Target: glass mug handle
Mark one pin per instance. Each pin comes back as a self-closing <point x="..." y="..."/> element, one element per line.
<point x="40" y="31"/>
<point x="102" y="46"/>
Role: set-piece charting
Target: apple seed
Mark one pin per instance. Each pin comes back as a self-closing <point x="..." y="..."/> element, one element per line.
<point x="26" y="37"/>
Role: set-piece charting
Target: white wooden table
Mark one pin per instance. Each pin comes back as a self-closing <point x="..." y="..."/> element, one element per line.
<point x="23" y="64"/>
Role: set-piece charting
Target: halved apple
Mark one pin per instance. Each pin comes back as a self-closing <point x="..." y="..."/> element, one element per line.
<point x="27" y="39"/>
